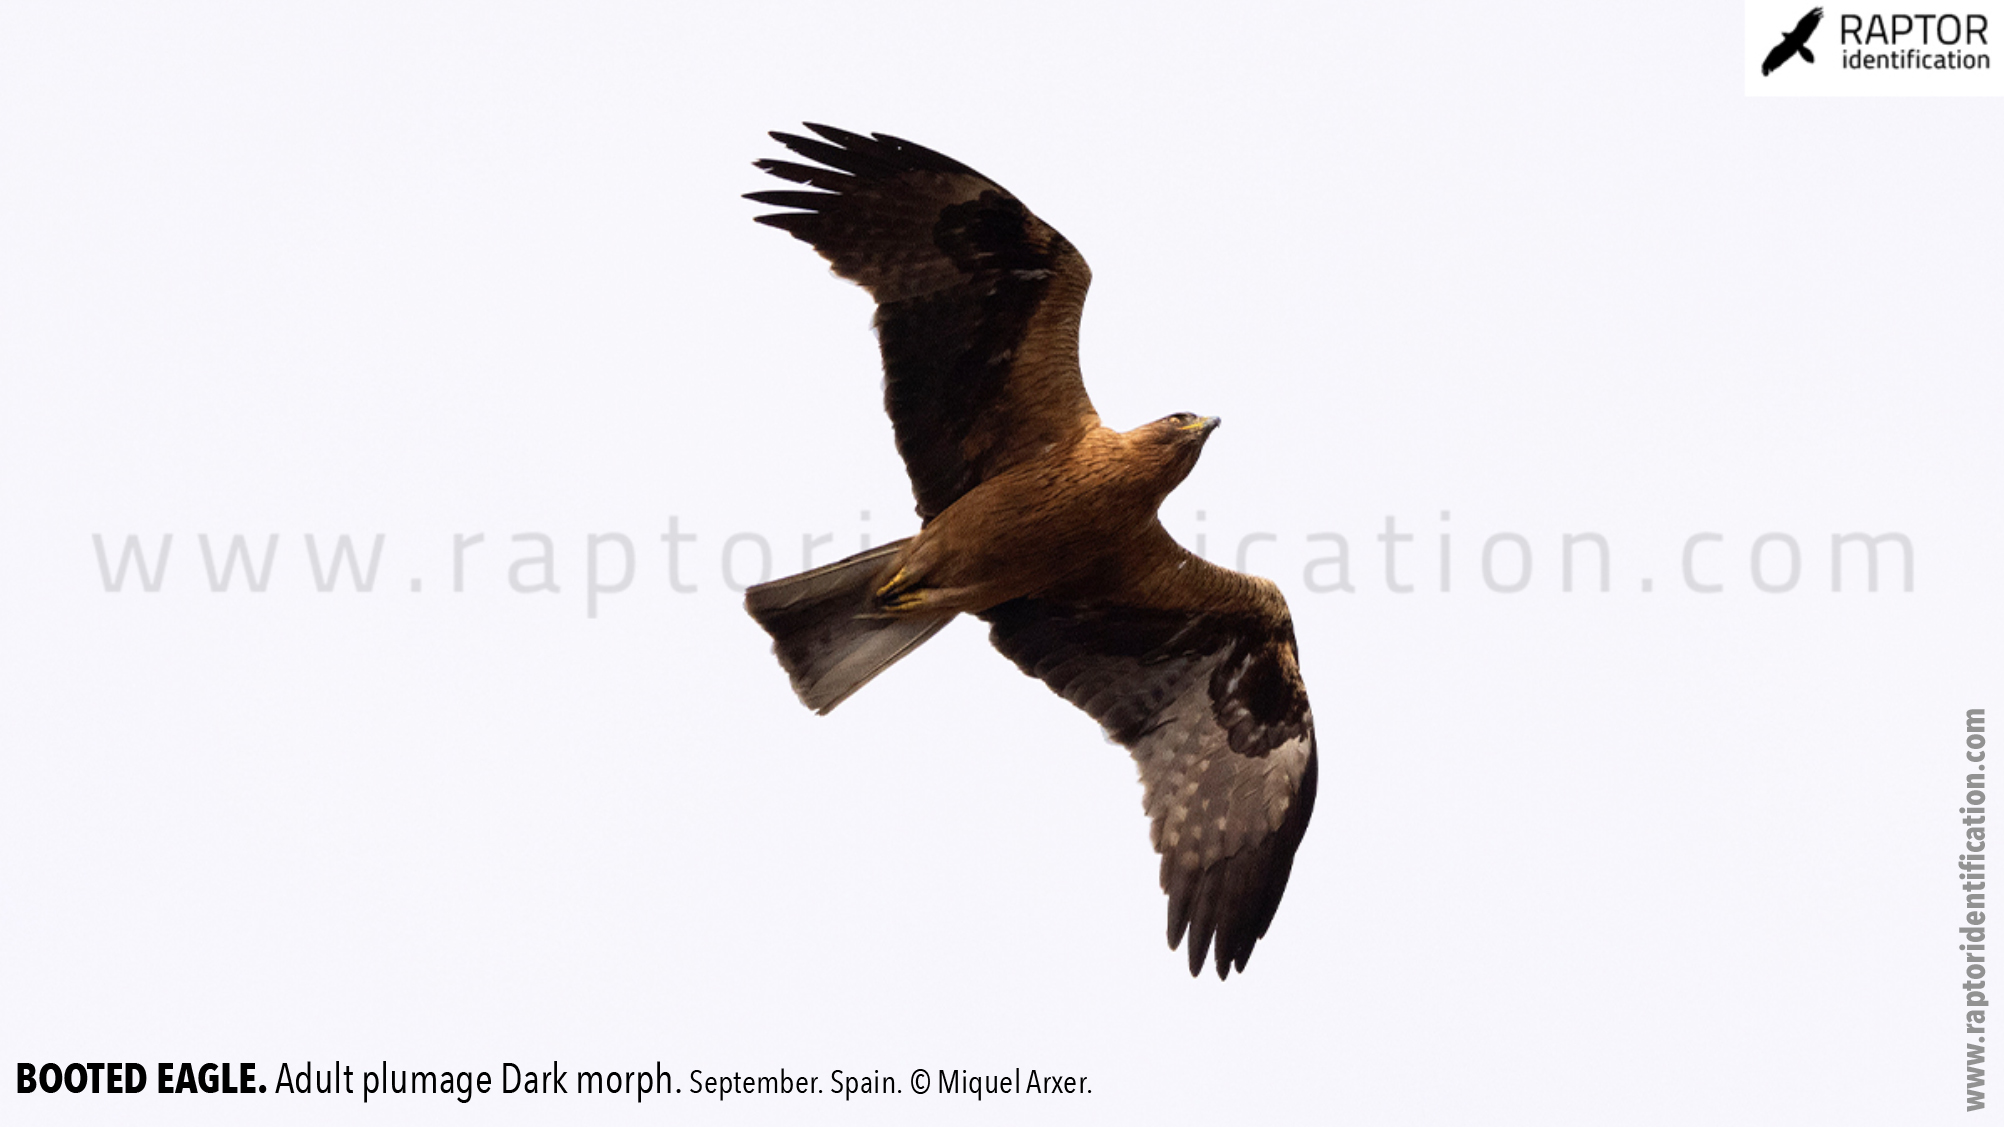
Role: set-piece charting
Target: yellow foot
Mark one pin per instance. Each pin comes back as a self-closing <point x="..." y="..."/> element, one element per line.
<point x="885" y="591"/>
<point x="906" y="603"/>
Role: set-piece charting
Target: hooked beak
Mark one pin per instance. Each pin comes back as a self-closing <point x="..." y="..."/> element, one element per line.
<point x="1203" y="426"/>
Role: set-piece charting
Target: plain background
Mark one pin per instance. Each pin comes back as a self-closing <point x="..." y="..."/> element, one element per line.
<point x="1586" y="857"/>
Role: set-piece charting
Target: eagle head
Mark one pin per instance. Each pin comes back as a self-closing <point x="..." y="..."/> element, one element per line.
<point x="1182" y="428"/>
<point x="1170" y="446"/>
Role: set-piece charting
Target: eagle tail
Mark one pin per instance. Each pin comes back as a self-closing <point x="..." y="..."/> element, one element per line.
<point x="1806" y="56"/>
<point x="829" y="632"/>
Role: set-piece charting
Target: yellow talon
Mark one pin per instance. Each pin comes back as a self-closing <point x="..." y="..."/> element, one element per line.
<point x="884" y="592"/>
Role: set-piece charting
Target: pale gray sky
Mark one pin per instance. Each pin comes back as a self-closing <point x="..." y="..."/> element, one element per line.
<point x="357" y="269"/>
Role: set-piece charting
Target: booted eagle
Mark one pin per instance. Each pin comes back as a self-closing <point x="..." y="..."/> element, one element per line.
<point x="1040" y="520"/>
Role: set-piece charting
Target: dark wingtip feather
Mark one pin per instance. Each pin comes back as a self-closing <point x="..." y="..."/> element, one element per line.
<point x="805" y="174"/>
<point x="864" y="159"/>
<point x="848" y="155"/>
<point x="807" y="201"/>
<point x="1228" y="907"/>
<point x="791" y="222"/>
<point x="841" y="137"/>
<point x="923" y="157"/>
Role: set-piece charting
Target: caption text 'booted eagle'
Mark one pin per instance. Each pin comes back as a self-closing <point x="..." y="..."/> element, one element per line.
<point x="1042" y="522"/>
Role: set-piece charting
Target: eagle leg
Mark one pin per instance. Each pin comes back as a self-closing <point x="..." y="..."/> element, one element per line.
<point x="894" y="586"/>
<point x="904" y="593"/>
<point x="907" y="603"/>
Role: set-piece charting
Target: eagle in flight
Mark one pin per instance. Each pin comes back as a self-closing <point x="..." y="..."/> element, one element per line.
<point x="1793" y="43"/>
<point x="1041" y="521"/>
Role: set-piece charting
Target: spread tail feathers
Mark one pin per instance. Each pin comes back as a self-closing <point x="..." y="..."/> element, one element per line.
<point x="829" y="632"/>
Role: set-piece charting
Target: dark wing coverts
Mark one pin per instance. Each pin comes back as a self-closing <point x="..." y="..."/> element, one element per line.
<point x="1198" y="678"/>
<point x="978" y="302"/>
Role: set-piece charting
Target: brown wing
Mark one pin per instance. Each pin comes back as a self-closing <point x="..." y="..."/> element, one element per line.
<point x="1192" y="667"/>
<point x="978" y="302"/>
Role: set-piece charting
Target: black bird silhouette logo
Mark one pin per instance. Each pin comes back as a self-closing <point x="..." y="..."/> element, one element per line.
<point x="1793" y="43"/>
